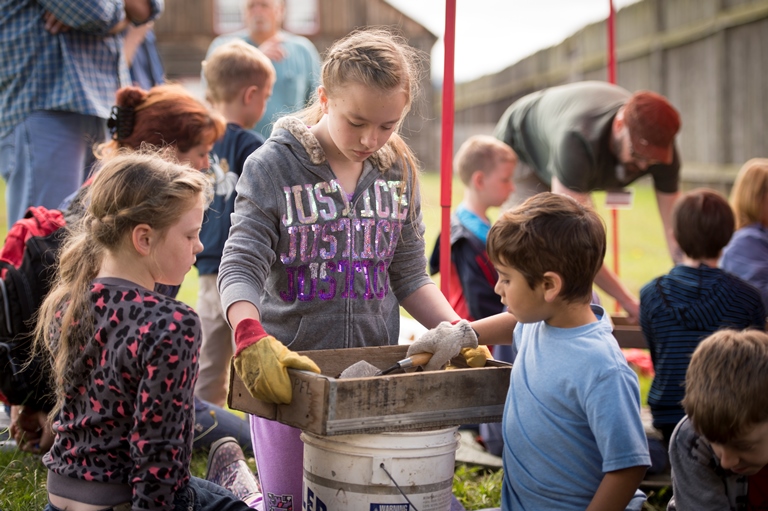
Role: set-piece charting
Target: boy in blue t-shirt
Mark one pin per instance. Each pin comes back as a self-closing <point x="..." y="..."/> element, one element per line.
<point x="239" y="81"/>
<point x="573" y="438"/>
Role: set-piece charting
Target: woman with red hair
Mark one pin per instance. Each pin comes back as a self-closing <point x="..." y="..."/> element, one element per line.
<point x="170" y="119"/>
<point x="166" y="116"/>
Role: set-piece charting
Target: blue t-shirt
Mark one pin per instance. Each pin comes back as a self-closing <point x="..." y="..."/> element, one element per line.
<point x="227" y="160"/>
<point x="572" y="414"/>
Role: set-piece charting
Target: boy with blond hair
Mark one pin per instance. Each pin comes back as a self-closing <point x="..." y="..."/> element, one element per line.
<point x="239" y="81"/>
<point x="719" y="451"/>
<point x="573" y="438"/>
<point x="485" y="166"/>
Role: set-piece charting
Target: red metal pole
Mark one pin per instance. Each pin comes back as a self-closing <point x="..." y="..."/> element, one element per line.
<point x="611" y="43"/>
<point x="446" y="147"/>
<point x="612" y="79"/>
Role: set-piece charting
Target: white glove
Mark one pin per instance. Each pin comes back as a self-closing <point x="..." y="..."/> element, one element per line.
<point x="445" y="341"/>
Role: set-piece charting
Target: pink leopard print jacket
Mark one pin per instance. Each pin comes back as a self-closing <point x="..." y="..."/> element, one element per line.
<point x="130" y="419"/>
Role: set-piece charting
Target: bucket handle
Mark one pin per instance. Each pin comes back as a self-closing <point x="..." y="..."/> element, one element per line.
<point x="384" y="468"/>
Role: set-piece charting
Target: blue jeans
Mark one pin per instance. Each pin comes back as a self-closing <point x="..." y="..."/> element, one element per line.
<point x="213" y="422"/>
<point x="198" y="495"/>
<point x="45" y="158"/>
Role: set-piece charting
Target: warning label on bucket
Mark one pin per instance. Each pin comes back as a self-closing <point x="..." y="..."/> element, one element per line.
<point x="390" y="507"/>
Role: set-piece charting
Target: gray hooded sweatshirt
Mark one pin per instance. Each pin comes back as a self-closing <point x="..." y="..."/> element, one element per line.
<point x="699" y="483"/>
<point x="325" y="271"/>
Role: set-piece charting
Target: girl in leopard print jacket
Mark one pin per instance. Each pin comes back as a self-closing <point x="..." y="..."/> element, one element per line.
<point x="125" y="358"/>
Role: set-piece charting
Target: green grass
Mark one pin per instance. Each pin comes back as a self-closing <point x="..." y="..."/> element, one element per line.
<point x="22" y="479"/>
<point x="22" y="482"/>
<point x="643" y="256"/>
<point x="477" y="488"/>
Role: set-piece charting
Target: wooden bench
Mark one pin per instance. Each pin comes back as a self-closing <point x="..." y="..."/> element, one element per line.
<point x="656" y="482"/>
<point x="628" y="334"/>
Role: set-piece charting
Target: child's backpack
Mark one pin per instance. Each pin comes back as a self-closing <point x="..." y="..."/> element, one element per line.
<point x="27" y="267"/>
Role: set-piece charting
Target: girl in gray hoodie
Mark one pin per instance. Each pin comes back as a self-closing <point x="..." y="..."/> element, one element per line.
<point x="327" y="238"/>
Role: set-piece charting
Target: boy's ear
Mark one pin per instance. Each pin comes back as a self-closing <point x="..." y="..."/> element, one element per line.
<point x="143" y="239"/>
<point x="552" y="283"/>
<point x="477" y="179"/>
<point x="248" y="93"/>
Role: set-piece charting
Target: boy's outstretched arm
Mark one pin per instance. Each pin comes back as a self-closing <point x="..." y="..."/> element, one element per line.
<point x="617" y="489"/>
<point x="496" y="329"/>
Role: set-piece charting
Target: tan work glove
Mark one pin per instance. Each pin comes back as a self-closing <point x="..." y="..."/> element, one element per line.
<point x="445" y="341"/>
<point x="262" y="362"/>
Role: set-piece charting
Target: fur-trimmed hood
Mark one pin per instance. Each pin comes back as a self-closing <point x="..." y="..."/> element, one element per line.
<point x="325" y="267"/>
<point x="384" y="158"/>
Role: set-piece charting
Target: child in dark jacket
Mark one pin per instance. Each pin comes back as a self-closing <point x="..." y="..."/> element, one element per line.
<point x="485" y="166"/>
<point x="693" y="300"/>
<point x="239" y="81"/>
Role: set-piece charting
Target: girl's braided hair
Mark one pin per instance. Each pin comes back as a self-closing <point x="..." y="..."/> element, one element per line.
<point x="131" y="188"/>
<point x="382" y="60"/>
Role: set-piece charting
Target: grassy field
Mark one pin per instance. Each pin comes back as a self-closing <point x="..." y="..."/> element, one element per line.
<point x="642" y="256"/>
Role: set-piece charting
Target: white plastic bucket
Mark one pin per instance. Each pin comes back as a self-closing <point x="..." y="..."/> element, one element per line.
<point x="363" y="472"/>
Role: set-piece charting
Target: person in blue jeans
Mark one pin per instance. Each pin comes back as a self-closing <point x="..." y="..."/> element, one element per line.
<point x="57" y="92"/>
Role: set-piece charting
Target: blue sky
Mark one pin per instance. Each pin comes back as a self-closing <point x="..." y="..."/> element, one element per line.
<point x="492" y="34"/>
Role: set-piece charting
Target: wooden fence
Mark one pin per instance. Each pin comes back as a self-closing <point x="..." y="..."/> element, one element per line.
<point x="709" y="57"/>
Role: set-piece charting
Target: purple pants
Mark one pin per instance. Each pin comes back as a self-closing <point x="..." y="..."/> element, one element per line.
<point x="279" y="454"/>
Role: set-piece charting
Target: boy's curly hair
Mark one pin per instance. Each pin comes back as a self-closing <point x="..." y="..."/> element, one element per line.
<point x="551" y="232"/>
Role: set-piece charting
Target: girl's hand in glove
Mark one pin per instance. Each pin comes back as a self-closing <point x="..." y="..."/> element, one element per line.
<point x="445" y="341"/>
<point x="262" y="363"/>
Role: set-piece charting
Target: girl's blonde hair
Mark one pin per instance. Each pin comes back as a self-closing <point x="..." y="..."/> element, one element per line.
<point x="750" y="191"/>
<point x="232" y="68"/>
<point x="381" y="60"/>
<point x="132" y="188"/>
